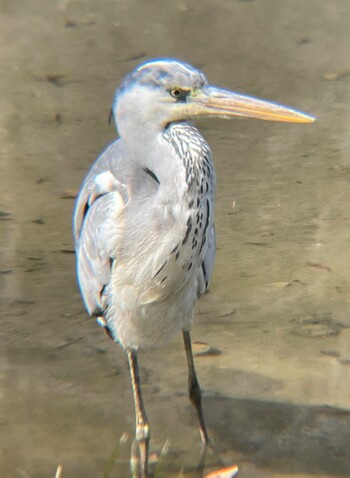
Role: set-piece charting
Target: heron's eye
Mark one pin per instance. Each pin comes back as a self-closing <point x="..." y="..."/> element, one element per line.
<point x="177" y="93"/>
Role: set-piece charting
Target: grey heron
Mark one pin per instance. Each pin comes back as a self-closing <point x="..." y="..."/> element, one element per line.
<point x="144" y="217"/>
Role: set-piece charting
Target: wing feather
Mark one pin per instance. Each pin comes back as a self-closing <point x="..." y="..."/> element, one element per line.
<point x="97" y="229"/>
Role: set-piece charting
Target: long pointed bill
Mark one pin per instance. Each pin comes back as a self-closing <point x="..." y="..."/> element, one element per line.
<point x="218" y="102"/>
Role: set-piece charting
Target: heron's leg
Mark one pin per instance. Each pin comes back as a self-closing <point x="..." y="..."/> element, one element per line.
<point x="194" y="389"/>
<point x="142" y="431"/>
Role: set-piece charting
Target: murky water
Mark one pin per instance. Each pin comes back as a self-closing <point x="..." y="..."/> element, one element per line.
<point x="277" y="397"/>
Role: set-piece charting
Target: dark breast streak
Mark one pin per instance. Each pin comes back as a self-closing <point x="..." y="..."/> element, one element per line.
<point x="195" y="155"/>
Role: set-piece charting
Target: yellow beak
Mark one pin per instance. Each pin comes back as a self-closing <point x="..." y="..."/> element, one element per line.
<point x="213" y="101"/>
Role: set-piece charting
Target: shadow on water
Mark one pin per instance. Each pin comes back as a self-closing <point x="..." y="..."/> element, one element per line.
<point x="281" y="436"/>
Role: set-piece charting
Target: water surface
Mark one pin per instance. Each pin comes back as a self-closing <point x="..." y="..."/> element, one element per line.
<point x="277" y="397"/>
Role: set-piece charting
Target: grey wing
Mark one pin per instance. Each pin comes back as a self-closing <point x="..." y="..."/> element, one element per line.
<point x="96" y="250"/>
<point x="105" y="176"/>
<point x="207" y="266"/>
<point x="97" y="227"/>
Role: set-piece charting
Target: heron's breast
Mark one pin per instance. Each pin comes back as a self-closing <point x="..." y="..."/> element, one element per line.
<point x="163" y="255"/>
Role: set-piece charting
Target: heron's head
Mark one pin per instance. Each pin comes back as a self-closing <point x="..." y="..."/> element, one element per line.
<point x="164" y="90"/>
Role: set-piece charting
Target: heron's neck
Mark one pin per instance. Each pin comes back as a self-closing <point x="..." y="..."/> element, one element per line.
<point x="178" y="155"/>
<point x="152" y="150"/>
<point x="134" y="127"/>
<point x="192" y="151"/>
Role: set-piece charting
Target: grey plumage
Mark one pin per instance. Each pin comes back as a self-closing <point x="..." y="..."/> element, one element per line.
<point x="144" y="218"/>
<point x="164" y="253"/>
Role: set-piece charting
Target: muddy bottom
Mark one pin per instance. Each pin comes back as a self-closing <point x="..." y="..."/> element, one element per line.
<point x="276" y="370"/>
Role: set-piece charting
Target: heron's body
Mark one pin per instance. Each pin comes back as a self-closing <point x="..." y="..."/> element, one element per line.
<point x="157" y="235"/>
<point x="144" y="218"/>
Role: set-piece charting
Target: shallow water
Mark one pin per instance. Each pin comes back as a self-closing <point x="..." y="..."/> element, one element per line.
<point x="277" y="397"/>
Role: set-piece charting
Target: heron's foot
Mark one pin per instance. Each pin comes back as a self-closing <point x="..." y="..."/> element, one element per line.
<point x="215" y="452"/>
<point x="140" y="452"/>
<point x="201" y="466"/>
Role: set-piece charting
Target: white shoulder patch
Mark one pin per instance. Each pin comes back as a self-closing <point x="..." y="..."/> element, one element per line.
<point x="106" y="182"/>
